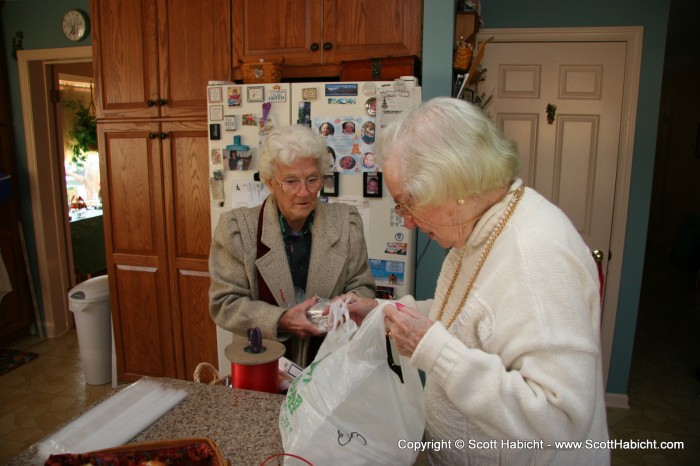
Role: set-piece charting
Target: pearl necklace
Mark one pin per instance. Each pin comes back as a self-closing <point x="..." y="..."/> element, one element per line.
<point x="482" y="258"/>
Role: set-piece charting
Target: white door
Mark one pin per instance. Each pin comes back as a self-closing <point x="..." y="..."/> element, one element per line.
<point x="570" y="158"/>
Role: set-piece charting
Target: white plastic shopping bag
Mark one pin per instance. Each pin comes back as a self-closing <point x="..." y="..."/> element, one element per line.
<point x="349" y="407"/>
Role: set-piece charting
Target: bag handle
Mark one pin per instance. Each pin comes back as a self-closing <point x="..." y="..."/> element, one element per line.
<point x="390" y="359"/>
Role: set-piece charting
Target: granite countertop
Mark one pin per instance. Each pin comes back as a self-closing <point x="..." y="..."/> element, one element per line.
<point x="243" y="423"/>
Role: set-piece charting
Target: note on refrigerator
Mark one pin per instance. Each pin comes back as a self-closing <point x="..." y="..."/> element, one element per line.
<point x="249" y="193"/>
<point x="391" y="102"/>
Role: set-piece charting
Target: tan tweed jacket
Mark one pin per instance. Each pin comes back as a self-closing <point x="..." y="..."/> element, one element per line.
<point x="338" y="265"/>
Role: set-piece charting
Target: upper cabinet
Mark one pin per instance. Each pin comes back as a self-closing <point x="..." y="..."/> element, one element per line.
<point x="314" y="37"/>
<point x="155" y="57"/>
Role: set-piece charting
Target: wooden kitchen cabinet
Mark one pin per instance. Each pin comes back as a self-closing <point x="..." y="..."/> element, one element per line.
<point x="154" y="58"/>
<point x="315" y="36"/>
<point x="157" y="234"/>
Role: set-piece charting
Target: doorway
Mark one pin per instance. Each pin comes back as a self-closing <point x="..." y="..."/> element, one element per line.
<point x="46" y="181"/>
<point x="72" y="91"/>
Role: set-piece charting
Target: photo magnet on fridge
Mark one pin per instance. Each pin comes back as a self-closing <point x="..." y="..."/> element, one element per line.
<point x="372" y="184"/>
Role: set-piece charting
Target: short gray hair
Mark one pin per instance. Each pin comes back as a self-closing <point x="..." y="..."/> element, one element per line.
<point x="287" y="144"/>
<point x="448" y="148"/>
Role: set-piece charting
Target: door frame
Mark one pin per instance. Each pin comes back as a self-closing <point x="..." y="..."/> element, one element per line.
<point x="632" y="36"/>
<point x="44" y="187"/>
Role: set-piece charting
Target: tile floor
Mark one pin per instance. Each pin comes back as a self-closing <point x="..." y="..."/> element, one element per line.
<point x="43" y="394"/>
<point x="664" y="393"/>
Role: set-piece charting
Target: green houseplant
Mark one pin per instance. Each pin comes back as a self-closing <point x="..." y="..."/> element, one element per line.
<point x="84" y="131"/>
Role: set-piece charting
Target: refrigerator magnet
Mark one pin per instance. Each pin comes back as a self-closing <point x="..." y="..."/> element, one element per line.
<point x="372" y="184"/>
<point x="230" y="123"/>
<point x="249" y="119"/>
<point x="369" y="89"/>
<point x="234" y="96"/>
<point x="277" y="95"/>
<point x="304" y="114"/>
<point x="216" y="112"/>
<point x="331" y="185"/>
<point x="215" y="95"/>
<point x="371" y="106"/>
<point x="214" y="131"/>
<point x="217" y="158"/>
<point x="309" y="93"/>
<point x="342" y="100"/>
<point x="341" y="89"/>
<point x="256" y="93"/>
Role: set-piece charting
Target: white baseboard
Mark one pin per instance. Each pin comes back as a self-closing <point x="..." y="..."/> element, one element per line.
<point x="617" y="400"/>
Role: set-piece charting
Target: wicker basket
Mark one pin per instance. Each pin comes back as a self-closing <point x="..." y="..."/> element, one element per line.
<point x="462" y="58"/>
<point x="262" y="72"/>
<point x="201" y="451"/>
<point x="206" y="373"/>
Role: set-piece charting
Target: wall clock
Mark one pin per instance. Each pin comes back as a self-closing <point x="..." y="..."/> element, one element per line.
<point x="75" y="25"/>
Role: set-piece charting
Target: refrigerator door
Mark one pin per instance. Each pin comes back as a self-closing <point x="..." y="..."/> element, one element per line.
<point x="345" y="113"/>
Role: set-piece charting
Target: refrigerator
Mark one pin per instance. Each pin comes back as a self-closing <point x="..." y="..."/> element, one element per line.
<point x="349" y="115"/>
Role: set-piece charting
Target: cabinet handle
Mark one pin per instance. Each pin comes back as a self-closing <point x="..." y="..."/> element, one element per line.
<point x="314" y="47"/>
<point x="327" y="46"/>
<point x="164" y="135"/>
<point x="152" y="135"/>
<point x="151" y="103"/>
<point x="162" y="102"/>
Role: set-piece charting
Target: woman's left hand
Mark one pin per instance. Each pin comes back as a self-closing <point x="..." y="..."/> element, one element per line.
<point x="406" y="327"/>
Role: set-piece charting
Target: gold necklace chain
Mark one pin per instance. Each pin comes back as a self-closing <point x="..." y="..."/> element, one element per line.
<point x="482" y="258"/>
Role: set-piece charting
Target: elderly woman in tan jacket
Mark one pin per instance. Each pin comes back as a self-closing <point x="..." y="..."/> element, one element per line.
<point x="270" y="263"/>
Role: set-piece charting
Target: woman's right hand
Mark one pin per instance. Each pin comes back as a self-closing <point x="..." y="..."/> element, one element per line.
<point x="294" y="320"/>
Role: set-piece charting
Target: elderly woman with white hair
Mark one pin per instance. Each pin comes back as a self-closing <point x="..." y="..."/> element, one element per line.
<point x="270" y="263"/>
<point x="510" y="344"/>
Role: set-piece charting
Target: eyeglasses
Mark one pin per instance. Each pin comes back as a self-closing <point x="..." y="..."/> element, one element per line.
<point x="313" y="184"/>
<point x="404" y="210"/>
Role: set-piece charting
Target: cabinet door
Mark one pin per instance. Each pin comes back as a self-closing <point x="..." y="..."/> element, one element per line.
<point x="155" y="57"/>
<point x="132" y="173"/>
<point x="272" y="30"/>
<point x="125" y="58"/>
<point x="359" y="29"/>
<point x="194" y="46"/>
<point x="186" y="181"/>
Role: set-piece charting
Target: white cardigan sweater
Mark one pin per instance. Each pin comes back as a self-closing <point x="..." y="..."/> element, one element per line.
<point x="522" y="361"/>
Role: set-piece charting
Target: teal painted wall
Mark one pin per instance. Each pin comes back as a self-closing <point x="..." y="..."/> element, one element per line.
<point x="653" y="16"/>
<point x="40" y="24"/>
<point x="39" y="20"/>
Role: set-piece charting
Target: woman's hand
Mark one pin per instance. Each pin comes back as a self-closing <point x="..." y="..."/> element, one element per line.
<point x="294" y="321"/>
<point x="358" y="307"/>
<point x="406" y="327"/>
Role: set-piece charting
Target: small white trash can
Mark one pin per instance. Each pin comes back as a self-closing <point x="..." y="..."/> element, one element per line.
<point x="89" y="302"/>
